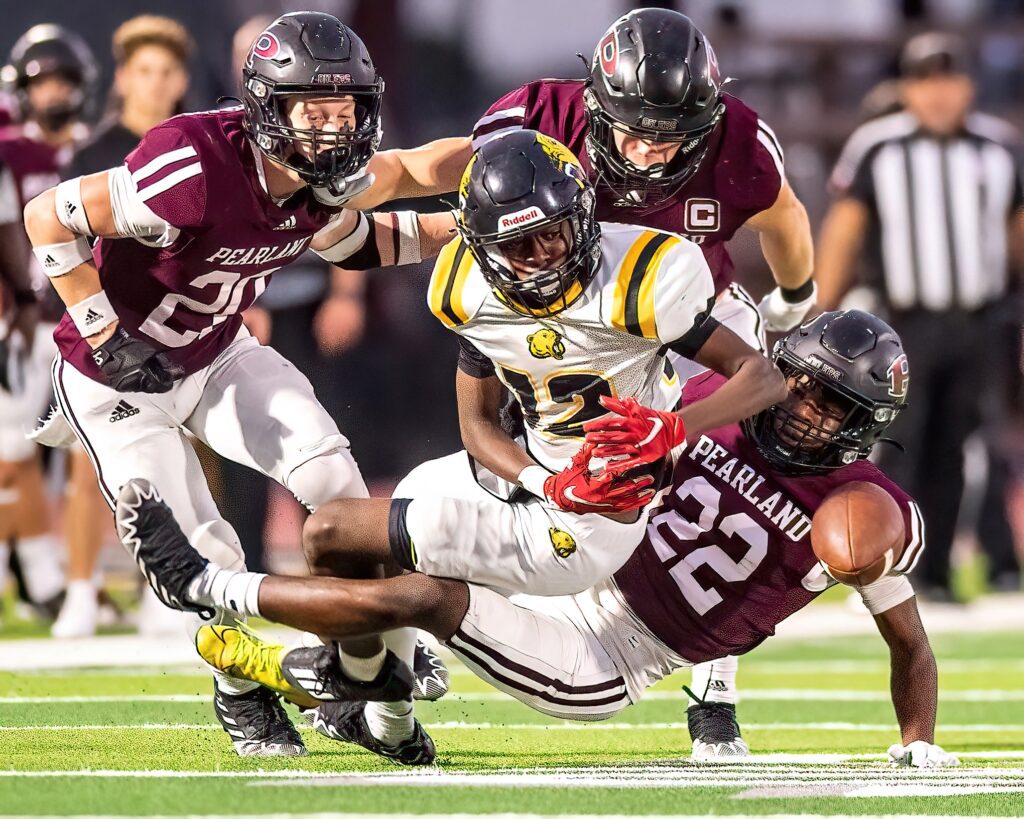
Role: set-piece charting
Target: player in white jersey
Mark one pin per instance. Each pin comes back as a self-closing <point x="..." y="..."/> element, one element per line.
<point x="568" y="313"/>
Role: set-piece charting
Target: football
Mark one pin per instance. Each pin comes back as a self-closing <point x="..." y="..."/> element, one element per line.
<point x="858" y="533"/>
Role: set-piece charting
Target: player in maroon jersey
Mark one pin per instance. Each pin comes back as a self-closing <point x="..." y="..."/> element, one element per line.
<point x="726" y="558"/>
<point x="51" y="73"/>
<point x="189" y="231"/>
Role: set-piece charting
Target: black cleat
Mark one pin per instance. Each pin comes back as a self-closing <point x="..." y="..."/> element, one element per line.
<point x="346" y="722"/>
<point x="148" y="530"/>
<point x="317" y="671"/>
<point x="257" y="723"/>
<point x="431" y="678"/>
<point x="715" y="732"/>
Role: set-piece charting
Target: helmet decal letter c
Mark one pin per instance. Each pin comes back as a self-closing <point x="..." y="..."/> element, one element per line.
<point x="608" y="53"/>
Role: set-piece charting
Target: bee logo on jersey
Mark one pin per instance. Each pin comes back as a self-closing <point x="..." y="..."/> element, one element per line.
<point x="546" y="343"/>
<point x="562" y="542"/>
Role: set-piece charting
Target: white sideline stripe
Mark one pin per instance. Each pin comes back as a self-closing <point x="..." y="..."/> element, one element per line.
<point x="170" y="181"/>
<point x="558" y="726"/>
<point x="335" y="815"/>
<point x="162" y="161"/>
<point x="754" y="695"/>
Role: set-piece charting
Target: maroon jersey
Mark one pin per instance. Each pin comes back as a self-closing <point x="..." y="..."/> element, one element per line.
<point x="225" y="236"/>
<point x="727" y="556"/>
<point x="741" y="174"/>
<point x="35" y="164"/>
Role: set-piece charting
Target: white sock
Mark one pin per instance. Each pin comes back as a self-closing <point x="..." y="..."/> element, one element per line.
<point x="715" y="681"/>
<point x="233" y="686"/>
<point x="392" y="722"/>
<point x="83" y="589"/>
<point x="362" y="669"/>
<point x="40" y="566"/>
<point x="224" y="589"/>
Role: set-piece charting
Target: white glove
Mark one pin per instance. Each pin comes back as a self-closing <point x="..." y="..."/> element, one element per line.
<point x="346" y="189"/>
<point x="781" y="316"/>
<point x="921" y="754"/>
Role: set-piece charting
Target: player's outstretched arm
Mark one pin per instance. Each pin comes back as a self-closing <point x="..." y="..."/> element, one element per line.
<point x="428" y="170"/>
<point x="914" y="679"/>
<point x="361" y="241"/>
<point x="785" y="234"/>
<point x="754" y="383"/>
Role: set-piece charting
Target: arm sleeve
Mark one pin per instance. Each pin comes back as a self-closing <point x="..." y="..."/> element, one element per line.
<point x="885" y="593"/>
<point x="507" y="114"/>
<point x="132" y="216"/>
<point x="10" y="208"/>
<point x="168" y="175"/>
<point x="472" y="362"/>
<point x="684" y="294"/>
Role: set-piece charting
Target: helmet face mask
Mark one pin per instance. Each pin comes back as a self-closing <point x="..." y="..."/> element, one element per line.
<point x="843" y="394"/>
<point x="654" y="77"/>
<point x="550" y="288"/>
<point x="640" y="186"/>
<point x="312" y="59"/>
<point x="527" y="214"/>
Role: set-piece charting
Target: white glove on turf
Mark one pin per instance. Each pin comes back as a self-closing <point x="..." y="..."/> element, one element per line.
<point x="921" y="754"/>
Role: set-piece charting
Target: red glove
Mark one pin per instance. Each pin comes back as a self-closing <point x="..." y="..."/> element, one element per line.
<point x="633" y="435"/>
<point x="574" y="489"/>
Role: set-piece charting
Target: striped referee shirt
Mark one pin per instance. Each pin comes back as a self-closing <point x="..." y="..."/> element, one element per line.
<point x="941" y="207"/>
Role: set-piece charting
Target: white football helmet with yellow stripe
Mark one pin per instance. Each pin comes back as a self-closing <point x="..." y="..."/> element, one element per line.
<point x="651" y="291"/>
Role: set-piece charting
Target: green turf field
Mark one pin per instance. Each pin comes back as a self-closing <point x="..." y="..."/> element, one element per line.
<point x="121" y="742"/>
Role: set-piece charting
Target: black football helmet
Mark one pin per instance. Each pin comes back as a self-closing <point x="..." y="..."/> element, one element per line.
<point x="851" y="366"/>
<point x="311" y="54"/>
<point x="654" y="76"/>
<point x="517" y="185"/>
<point x="45" y="50"/>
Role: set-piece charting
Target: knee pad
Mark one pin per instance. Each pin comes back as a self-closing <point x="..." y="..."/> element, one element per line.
<point x="217" y="541"/>
<point x="325" y="477"/>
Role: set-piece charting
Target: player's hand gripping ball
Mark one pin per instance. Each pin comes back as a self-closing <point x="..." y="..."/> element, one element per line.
<point x="858" y="533"/>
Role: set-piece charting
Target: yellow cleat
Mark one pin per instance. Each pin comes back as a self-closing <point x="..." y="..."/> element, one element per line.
<point x="242" y="653"/>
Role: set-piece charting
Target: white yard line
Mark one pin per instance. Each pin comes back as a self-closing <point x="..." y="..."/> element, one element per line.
<point x="560" y="726"/>
<point x="514" y="816"/>
<point x="776" y="694"/>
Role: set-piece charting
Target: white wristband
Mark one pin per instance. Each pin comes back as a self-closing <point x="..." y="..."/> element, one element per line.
<point x="344" y="248"/>
<point x="70" y="210"/>
<point x="92" y="314"/>
<point x="532" y="480"/>
<point x="61" y="258"/>
<point x="408" y="237"/>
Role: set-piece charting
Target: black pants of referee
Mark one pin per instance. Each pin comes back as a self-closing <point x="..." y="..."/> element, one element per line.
<point x="955" y="362"/>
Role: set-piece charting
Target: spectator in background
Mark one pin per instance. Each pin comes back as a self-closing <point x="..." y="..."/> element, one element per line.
<point x="938" y="191"/>
<point x="51" y="74"/>
<point x="150" y="81"/>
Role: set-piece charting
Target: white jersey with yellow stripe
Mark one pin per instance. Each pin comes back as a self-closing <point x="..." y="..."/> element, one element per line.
<point x="653" y="290"/>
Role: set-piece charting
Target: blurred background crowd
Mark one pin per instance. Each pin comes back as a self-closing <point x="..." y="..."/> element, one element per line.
<point x="384" y="367"/>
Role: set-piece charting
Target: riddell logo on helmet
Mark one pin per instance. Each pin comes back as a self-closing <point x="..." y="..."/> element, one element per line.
<point x="519" y="218"/>
<point x="825" y="368"/>
<point x="332" y="79"/>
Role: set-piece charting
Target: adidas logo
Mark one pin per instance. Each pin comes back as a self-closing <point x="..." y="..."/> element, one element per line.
<point x="123" y="410"/>
<point x="91" y="317"/>
<point x="287" y="224"/>
<point x="49" y="261"/>
<point x="718" y="685"/>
